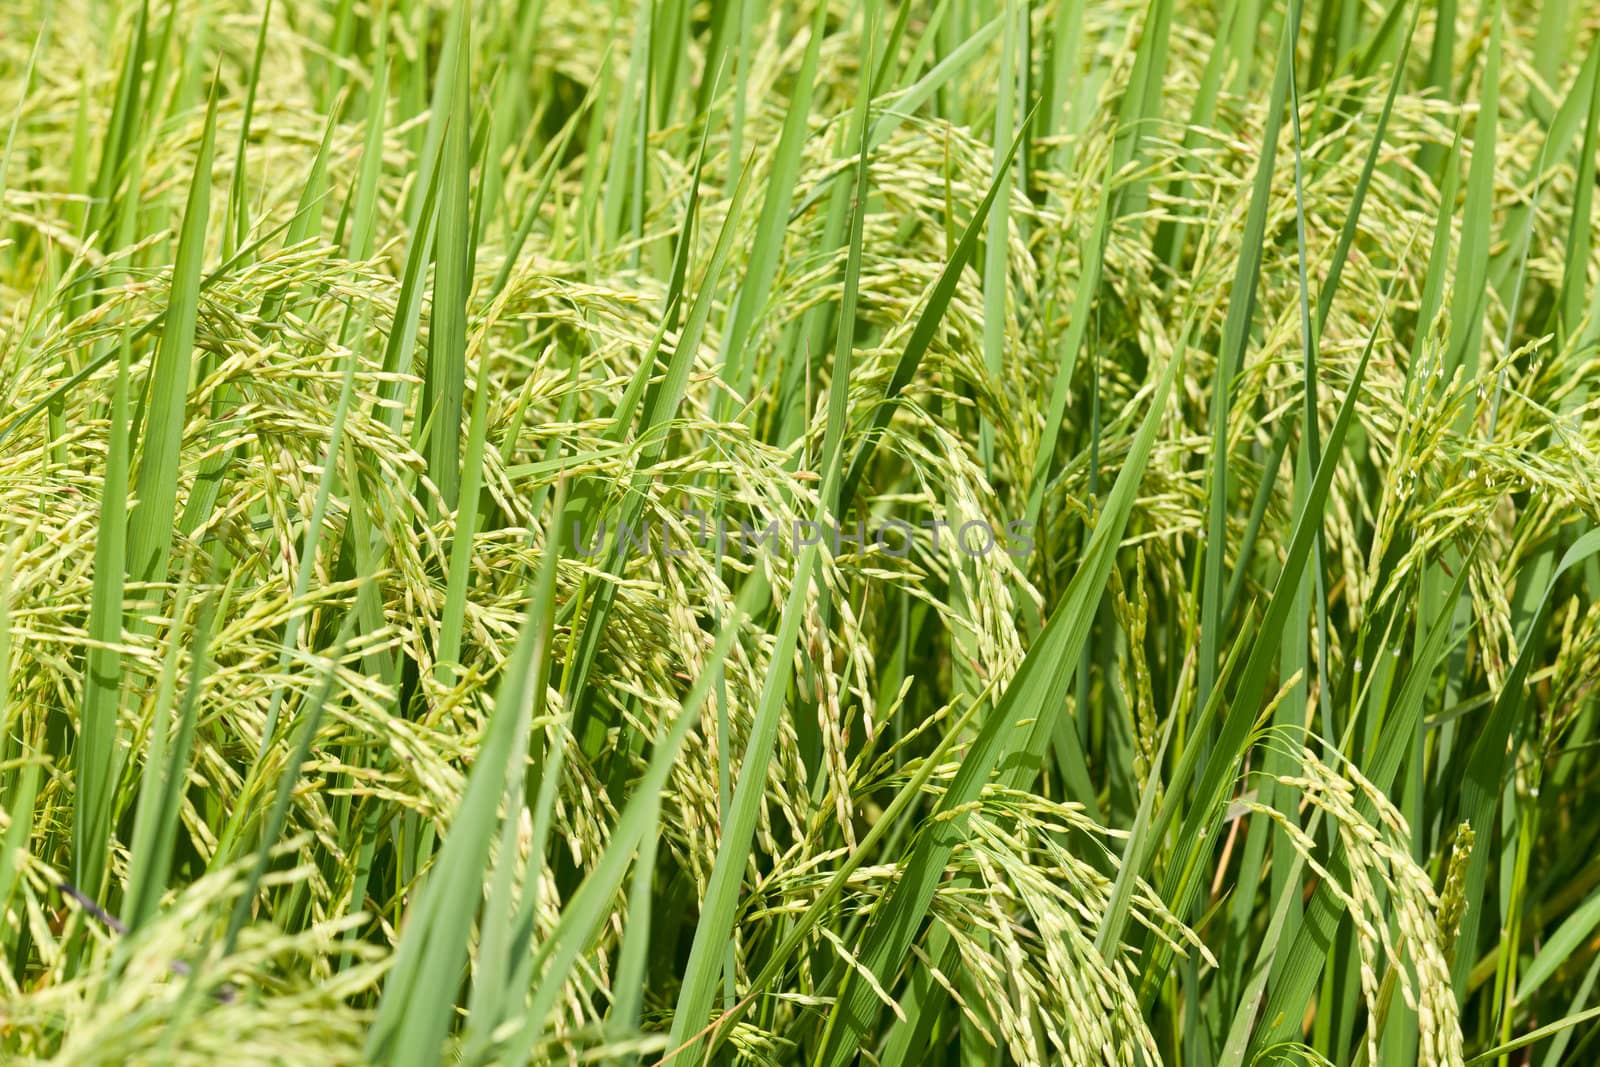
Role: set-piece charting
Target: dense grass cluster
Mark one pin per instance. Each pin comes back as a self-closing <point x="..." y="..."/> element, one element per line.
<point x="496" y="502"/>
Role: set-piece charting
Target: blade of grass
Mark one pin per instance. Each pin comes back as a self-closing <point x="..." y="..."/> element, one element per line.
<point x="1230" y="360"/>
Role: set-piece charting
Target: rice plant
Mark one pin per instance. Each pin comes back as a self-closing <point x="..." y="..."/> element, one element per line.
<point x="670" y="533"/>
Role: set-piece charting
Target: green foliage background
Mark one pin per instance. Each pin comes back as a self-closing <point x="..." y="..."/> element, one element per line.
<point x="332" y="332"/>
